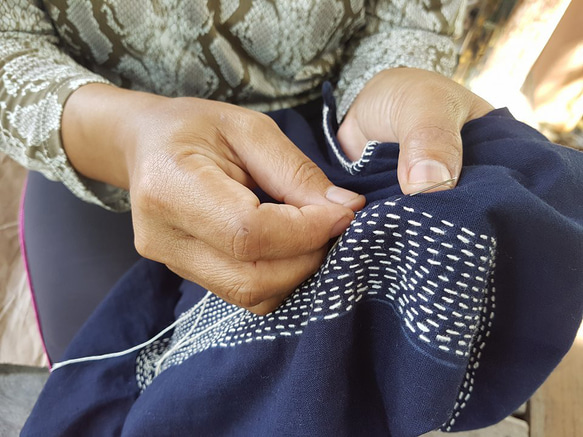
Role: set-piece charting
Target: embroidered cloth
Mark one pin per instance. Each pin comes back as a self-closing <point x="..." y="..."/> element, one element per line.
<point x="442" y="310"/>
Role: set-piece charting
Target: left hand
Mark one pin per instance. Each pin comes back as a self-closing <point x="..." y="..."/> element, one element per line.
<point x="422" y="111"/>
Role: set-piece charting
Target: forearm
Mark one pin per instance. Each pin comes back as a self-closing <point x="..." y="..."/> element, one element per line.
<point x="98" y="123"/>
<point x="36" y="79"/>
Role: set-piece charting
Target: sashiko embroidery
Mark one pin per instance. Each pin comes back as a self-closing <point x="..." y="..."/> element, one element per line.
<point x="444" y="310"/>
<point x="436" y="277"/>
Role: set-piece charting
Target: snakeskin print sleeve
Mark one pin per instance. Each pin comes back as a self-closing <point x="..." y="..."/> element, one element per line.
<point x="36" y="78"/>
<point x="400" y="33"/>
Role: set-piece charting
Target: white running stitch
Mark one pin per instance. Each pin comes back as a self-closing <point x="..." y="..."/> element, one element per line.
<point x="484" y="326"/>
<point x="410" y="287"/>
<point x="350" y="167"/>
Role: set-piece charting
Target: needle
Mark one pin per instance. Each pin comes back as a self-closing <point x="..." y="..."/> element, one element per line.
<point x="410" y="195"/>
<point x="439" y="184"/>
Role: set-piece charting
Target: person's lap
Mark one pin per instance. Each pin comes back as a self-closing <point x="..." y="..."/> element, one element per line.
<point x="75" y="252"/>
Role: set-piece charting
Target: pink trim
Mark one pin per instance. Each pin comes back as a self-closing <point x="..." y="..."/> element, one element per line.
<point x="26" y="267"/>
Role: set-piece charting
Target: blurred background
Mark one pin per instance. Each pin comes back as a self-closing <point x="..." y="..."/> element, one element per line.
<point x="528" y="56"/>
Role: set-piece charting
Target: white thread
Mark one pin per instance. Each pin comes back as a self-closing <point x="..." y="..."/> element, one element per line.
<point x="343" y="161"/>
<point x="132" y="349"/>
<point x="463" y="239"/>
<point x="214" y="325"/>
<point x="350" y="167"/>
<point x="182" y="340"/>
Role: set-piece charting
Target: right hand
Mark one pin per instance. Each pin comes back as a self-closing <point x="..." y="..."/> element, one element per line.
<point x="190" y="165"/>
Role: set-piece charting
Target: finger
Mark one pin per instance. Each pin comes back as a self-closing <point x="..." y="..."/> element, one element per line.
<point x="430" y="143"/>
<point x="258" y="286"/>
<point x="267" y="306"/>
<point x="428" y="126"/>
<point x="210" y="206"/>
<point x="430" y="155"/>
<point x="284" y="172"/>
<point x="424" y="112"/>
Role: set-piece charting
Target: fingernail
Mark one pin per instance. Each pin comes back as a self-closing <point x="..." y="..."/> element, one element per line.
<point x="428" y="172"/>
<point x="340" y="226"/>
<point x="341" y="195"/>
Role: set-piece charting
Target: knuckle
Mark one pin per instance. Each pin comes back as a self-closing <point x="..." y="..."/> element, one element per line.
<point x="247" y="293"/>
<point x="457" y="103"/>
<point x="264" y="121"/>
<point x="156" y="241"/>
<point x="141" y="246"/>
<point x="304" y="173"/>
<point x="434" y="140"/>
<point x="149" y="194"/>
<point x="144" y="245"/>
<point x="257" y="123"/>
<point x="245" y="244"/>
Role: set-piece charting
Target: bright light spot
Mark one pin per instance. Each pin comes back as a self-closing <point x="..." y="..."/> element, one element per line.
<point x="579" y="338"/>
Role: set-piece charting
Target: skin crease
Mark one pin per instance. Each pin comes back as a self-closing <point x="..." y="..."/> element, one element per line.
<point x="190" y="164"/>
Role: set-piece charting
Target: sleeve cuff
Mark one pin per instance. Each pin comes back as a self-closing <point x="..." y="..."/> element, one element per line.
<point x="396" y="48"/>
<point x="60" y="168"/>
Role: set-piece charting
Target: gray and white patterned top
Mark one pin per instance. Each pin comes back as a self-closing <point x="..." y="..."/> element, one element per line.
<point x="262" y="54"/>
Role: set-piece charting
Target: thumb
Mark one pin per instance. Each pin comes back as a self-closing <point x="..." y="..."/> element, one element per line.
<point x="430" y="150"/>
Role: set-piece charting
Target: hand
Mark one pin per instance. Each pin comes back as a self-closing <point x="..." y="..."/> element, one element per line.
<point x="190" y="165"/>
<point x="422" y="111"/>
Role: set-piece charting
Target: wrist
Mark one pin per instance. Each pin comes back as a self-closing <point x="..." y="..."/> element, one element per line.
<point x="99" y="127"/>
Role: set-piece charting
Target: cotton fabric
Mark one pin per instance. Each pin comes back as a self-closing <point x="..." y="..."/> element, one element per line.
<point x="442" y="310"/>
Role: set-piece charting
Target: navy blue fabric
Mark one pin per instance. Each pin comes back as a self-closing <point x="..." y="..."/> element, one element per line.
<point x="442" y="310"/>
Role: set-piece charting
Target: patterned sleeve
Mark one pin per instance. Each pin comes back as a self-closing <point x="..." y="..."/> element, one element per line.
<point x="401" y="33"/>
<point x="36" y="78"/>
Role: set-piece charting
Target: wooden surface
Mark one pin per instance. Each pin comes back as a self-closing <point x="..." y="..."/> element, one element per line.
<point x="510" y="427"/>
<point x="556" y="409"/>
<point x="19" y="338"/>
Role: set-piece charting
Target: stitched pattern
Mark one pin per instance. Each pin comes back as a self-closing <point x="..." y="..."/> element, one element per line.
<point x="486" y="320"/>
<point x="435" y="276"/>
<point x="350" y="167"/>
